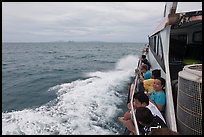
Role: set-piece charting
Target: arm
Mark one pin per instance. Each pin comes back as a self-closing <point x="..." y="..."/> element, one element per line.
<point x="141" y="79"/>
<point x="158" y="102"/>
<point x="129" y="124"/>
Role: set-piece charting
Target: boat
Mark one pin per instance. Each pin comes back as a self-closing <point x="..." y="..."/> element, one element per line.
<point x="175" y="46"/>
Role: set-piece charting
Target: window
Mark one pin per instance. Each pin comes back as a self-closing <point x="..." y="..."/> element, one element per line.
<point x="155" y="44"/>
<point x="151" y="42"/>
<point x="160" y="49"/>
<point x="157" y="49"/>
<point x="180" y="37"/>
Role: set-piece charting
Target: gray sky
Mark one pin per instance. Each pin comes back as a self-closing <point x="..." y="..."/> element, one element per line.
<point x="80" y="21"/>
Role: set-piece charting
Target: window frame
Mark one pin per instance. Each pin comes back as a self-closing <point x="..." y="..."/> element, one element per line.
<point x="155" y="49"/>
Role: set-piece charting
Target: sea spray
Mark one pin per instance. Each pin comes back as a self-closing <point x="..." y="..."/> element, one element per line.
<point x="82" y="106"/>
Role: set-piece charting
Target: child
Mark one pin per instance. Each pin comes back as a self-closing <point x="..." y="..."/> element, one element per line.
<point x="157" y="96"/>
<point x="145" y="74"/>
<point x="148" y="84"/>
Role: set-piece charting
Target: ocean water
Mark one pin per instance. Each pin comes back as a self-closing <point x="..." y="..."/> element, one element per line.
<point x="66" y="88"/>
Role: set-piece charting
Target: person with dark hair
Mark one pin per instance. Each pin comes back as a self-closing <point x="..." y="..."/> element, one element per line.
<point x="140" y="100"/>
<point x="148" y="84"/>
<point x="145" y="61"/>
<point x="143" y="57"/>
<point x="156" y="73"/>
<point x="144" y="75"/>
<point x="145" y="72"/>
<point x="148" y="120"/>
<point x="158" y="96"/>
<point x="162" y="131"/>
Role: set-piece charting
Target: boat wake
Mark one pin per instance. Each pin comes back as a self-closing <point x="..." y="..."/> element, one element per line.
<point x="82" y="106"/>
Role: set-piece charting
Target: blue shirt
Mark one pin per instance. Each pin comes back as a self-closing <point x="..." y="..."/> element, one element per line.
<point x="159" y="98"/>
<point x="147" y="75"/>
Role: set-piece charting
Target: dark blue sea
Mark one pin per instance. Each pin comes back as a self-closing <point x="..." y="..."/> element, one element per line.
<point x="66" y="88"/>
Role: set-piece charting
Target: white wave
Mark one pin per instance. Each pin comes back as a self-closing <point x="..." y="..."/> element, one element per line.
<point x="127" y="63"/>
<point x="82" y="106"/>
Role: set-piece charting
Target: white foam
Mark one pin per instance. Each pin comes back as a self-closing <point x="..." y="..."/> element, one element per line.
<point x="82" y="106"/>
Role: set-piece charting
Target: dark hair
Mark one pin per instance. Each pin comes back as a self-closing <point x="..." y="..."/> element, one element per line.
<point x="162" y="81"/>
<point x="145" y="61"/>
<point x="144" y="115"/>
<point x="142" y="97"/>
<point x="163" y="131"/>
<point x="144" y="66"/>
<point x="143" y="56"/>
<point x="156" y="73"/>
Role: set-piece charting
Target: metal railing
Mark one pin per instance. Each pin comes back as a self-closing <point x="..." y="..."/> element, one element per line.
<point x="131" y="101"/>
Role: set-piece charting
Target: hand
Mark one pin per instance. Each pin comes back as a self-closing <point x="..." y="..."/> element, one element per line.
<point x="121" y="119"/>
<point x="129" y="106"/>
<point x="127" y="115"/>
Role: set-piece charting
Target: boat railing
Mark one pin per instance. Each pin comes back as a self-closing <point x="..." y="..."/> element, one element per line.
<point x="131" y="101"/>
<point x="145" y="51"/>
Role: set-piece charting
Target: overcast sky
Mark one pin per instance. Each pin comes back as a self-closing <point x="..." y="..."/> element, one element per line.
<point x="80" y="21"/>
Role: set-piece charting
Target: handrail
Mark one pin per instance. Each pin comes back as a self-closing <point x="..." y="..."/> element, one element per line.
<point x="134" y="87"/>
<point x="131" y="102"/>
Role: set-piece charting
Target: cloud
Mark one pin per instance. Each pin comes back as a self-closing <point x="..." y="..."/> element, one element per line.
<point x="53" y="21"/>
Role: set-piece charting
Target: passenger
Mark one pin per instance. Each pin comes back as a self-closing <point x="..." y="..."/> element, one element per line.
<point x="148" y="120"/>
<point x="148" y="84"/>
<point x="140" y="100"/>
<point x="126" y="119"/>
<point x="145" y="74"/>
<point x="157" y="96"/>
<point x="145" y="50"/>
<point x="163" y="131"/>
<point x="145" y="61"/>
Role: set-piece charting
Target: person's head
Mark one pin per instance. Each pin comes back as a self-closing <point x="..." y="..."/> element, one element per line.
<point x="156" y="73"/>
<point x="162" y="131"/>
<point x="143" y="59"/>
<point x="144" y="68"/>
<point x="159" y="84"/>
<point x="140" y="99"/>
<point x="144" y="116"/>
<point x="143" y="56"/>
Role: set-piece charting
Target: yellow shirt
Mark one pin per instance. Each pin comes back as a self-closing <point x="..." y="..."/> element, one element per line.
<point x="148" y="85"/>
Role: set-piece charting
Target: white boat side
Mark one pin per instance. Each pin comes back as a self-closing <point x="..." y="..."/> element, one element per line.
<point x="169" y="112"/>
<point x="160" y="49"/>
<point x="178" y="36"/>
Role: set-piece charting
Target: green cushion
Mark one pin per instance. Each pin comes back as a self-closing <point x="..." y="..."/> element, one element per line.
<point x="191" y="61"/>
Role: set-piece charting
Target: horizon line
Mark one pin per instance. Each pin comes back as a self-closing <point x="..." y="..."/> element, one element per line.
<point x="70" y="41"/>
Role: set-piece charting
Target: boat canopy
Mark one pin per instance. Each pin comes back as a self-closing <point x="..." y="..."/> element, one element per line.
<point x="188" y="6"/>
<point x="173" y="12"/>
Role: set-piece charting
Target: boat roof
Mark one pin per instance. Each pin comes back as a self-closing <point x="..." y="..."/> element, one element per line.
<point x="188" y="7"/>
<point x="179" y="9"/>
